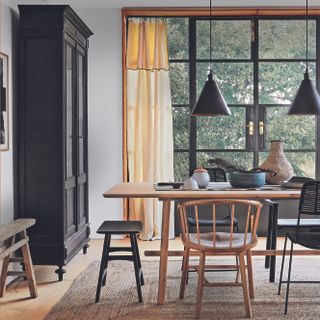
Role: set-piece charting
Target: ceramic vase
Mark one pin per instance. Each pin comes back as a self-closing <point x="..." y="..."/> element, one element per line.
<point x="278" y="163"/>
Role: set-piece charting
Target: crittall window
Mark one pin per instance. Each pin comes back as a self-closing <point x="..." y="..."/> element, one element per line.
<point x="259" y="63"/>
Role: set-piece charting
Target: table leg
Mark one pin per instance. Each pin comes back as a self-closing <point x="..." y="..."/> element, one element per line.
<point x="269" y="235"/>
<point x="164" y="252"/>
<point x="274" y="242"/>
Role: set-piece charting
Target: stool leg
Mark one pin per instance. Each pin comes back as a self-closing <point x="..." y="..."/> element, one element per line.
<point x="4" y="272"/>
<point x="102" y="267"/>
<point x="139" y="260"/>
<point x="106" y="261"/>
<point x="136" y="265"/>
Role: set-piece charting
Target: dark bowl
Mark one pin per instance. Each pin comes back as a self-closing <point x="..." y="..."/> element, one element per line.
<point x="247" y="180"/>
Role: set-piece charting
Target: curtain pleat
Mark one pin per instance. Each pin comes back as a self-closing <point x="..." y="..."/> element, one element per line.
<point x="149" y="119"/>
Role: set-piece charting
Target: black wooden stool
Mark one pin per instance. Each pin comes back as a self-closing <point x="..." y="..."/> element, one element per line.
<point x="109" y="228"/>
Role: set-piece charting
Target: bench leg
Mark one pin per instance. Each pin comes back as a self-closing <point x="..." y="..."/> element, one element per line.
<point x="3" y="277"/>
<point x="29" y="268"/>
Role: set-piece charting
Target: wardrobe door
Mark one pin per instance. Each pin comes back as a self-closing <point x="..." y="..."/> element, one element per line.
<point x="82" y="203"/>
<point x="70" y="138"/>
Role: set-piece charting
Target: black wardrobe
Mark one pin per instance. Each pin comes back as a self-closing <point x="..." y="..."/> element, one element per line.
<point x="52" y="184"/>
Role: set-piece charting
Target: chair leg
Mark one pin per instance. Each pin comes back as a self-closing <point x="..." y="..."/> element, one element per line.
<point x="106" y="261"/>
<point x="282" y="263"/>
<point x="139" y="260"/>
<point x="237" y="260"/>
<point x="185" y="271"/>
<point x="245" y="289"/>
<point x="102" y="266"/>
<point x="288" y="281"/>
<point x="200" y="284"/>
<point x="136" y="266"/>
<point x="250" y="274"/>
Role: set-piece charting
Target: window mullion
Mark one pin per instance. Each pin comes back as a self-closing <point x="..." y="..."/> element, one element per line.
<point x="193" y="93"/>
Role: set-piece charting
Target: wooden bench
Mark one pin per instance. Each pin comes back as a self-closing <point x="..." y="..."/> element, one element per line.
<point x="13" y="236"/>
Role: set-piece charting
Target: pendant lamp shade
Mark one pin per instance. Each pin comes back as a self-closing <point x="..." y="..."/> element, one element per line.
<point x="307" y="100"/>
<point x="211" y="101"/>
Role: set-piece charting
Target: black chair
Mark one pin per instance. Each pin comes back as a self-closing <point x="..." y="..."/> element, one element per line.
<point x="309" y="206"/>
<point x="216" y="175"/>
<point x="109" y="228"/>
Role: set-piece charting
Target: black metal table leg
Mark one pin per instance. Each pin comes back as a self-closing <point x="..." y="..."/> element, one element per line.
<point x="274" y="242"/>
<point x="269" y="235"/>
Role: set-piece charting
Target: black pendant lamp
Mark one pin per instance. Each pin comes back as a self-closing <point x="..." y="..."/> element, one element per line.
<point x="211" y="101"/>
<point x="307" y="99"/>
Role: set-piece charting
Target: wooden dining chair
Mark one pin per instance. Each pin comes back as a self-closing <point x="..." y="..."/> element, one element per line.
<point x="220" y="244"/>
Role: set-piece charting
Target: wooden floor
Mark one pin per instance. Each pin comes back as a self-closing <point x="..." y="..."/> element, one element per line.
<point x="16" y="303"/>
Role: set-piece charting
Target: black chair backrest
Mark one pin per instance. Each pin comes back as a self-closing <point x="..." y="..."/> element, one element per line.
<point x="217" y="174"/>
<point x="310" y="198"/>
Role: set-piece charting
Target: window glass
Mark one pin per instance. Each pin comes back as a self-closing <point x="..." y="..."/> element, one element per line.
<point x="286" y="39"/>
<point x="181" y="166"/>
<point x="279" y="81"/>
<point x="230" y="39"/>
<point x="297" y="132"/>
<point x="178" y="38"/>
<point x="225" y="132"/>
<point x="179" y="83"/>
<point x="181" y="120"/>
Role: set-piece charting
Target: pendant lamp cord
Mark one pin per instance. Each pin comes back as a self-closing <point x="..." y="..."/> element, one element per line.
<point x="307" y="34"/>
<point x="211" y="32"/>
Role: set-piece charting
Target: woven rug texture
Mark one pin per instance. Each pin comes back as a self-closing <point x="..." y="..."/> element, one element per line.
<point x="119" y="297"/>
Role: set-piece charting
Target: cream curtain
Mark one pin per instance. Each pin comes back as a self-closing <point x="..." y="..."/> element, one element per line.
<point x="149" y="118"/>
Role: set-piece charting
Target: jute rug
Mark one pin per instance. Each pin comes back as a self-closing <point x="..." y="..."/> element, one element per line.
<point x="119" y="298"/>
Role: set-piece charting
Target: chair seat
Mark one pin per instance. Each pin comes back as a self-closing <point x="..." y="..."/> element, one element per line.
<point x="222" y="240"/>
<point x="307" y="239"/>
<point x="120" y="227"/>
<point x="304" y="223"/>
<point x="221" y="222"/>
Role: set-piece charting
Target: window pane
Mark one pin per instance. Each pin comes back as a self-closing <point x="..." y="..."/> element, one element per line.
<point x="181" y="121"/>
<point x="279" y="81"/>
<point x="303" y="163"/>
<point x="298" y="132"/>
<point x="222" y="132"/>
<point x="179" y="83"/>
<point x="286" y="39"/>
<point x="230" y="39"/>
<point x="181" y="166"/>
<point x="178" y="38"/>
<point x="242" y="160"/>
<point x="235" y="80"/>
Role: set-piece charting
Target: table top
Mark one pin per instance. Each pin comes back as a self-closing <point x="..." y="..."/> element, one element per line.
<point x="147" y="190"/>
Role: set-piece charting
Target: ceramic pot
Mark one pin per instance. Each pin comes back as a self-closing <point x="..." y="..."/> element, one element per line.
<point x="190" y="184"/>
<point x="277" y="162"/>
<point x="202" y="177"/>
<point x="247" y="179"/>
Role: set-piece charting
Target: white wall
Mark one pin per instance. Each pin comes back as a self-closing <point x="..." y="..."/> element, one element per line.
<point x="8" y="45"/>
<point x="105" y="112"/>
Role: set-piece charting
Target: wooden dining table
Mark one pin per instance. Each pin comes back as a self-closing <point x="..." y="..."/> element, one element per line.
<point x="147" y="190"/>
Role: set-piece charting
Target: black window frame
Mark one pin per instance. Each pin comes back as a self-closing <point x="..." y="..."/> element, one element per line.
<point x="255" y="112"/>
